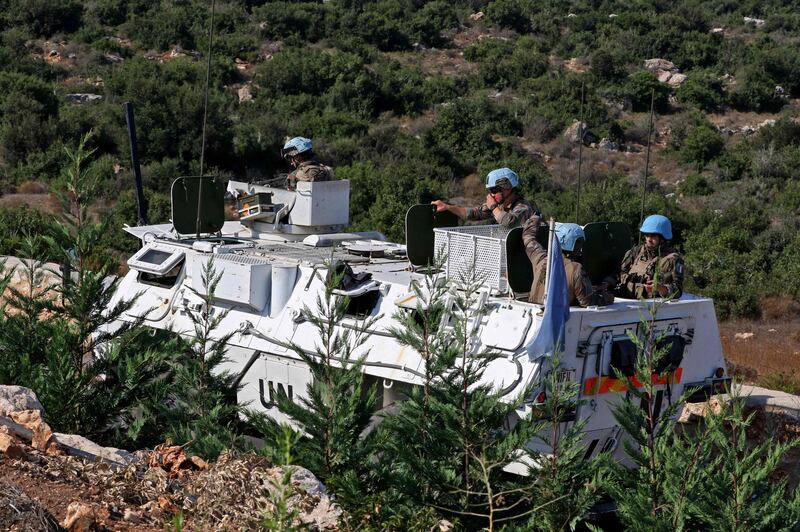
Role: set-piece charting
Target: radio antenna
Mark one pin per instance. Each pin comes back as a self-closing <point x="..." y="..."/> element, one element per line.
<point x="205" y="117"/>
<point x="647" y="157"/>
<point x="580" y="158"/>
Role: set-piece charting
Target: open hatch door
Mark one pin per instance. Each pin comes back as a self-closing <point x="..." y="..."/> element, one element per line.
<point x="605" y="246"/>
<point x="518" y="265"/>
<point x="185" y="192"/>
<point x="420" y="222"/>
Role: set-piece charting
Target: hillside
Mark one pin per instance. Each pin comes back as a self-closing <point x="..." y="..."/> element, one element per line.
<point x="417" y="100"/>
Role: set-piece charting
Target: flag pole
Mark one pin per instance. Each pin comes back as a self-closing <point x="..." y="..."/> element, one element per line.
<point x="550" y="234"/>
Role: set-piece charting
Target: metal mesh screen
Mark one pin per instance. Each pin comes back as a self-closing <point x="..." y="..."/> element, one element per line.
<point x="478" y="248"/>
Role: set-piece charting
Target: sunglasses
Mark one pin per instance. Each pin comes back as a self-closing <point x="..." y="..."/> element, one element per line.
<point x="495" y="190"/>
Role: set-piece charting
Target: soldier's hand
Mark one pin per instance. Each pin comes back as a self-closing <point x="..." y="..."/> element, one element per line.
<point x="531" y="225"/>
<point x="440" y="205"/>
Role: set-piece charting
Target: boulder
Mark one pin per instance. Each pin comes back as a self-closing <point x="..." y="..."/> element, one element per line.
<point x="657" y="64"/>
<point x="606" y="144"/>
<point x="663" y="75"/>
<point x="18" y="399"/>
<point x="82" y="447"/>
<point x="244" y="94"/>
<point x="579" y="130"/>
<point x="475" y="17"/>
<point x="11" y="448"/>
<point x="757" y="22"/>
<point x="677" y="79"/>
<point x="83" y="97"/>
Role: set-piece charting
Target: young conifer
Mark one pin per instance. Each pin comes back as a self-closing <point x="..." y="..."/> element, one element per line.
<point x="564" y="485"/>
<point x="462" y="433"/>
<point x="742" y="490"/>
<point x="201" y="409"/>
<point x="58" y="321"/>
<point x="334" y="416"/>
<point x="662" y="490"/>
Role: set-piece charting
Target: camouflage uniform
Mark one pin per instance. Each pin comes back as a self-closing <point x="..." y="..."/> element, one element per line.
<point x="513" y="215"/>
<point x="640" y="265"/>
<point x="309" y="171"/>
<point x="579" y="287"/>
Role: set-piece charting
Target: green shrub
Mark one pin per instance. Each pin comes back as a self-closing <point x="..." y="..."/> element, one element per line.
<point x="702" y="145"/>
<point x="695" y="185"/>
<point x="310" y="21"/>
<point x="705" y="93"/>
<point x="642" y="87"/>
<point x="467" y="127"/>
<point x="513" y="14"/>
<point x="755" y="91"/>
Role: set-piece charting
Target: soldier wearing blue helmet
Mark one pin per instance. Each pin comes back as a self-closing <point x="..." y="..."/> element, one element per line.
<point x="655" y="268"/>
<point x="299" y="152"/>
<point x="504" y="204"/>
<point x="579" y="287"/>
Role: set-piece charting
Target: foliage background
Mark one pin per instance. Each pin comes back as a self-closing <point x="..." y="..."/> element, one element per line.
<point x="413" y="100"/>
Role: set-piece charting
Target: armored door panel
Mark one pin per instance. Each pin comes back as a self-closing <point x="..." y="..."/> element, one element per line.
<point x="605" y="246"/>
<point x="420" y="222"/>
<point x="520" y="270"/>
<point x="186" y="191"/>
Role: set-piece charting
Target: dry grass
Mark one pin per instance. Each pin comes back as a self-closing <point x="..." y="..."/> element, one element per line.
<point x="32" y="187"/>
<point x="764" y="352"/>
<point x="45" y="203"/>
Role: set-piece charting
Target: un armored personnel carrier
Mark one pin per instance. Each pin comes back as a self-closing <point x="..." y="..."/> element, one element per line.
<point x="273" y="263"/>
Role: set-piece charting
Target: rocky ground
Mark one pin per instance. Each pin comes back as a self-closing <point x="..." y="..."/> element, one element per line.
<point x="51" y="481"/>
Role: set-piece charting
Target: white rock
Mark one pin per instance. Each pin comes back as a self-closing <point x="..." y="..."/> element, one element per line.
<point x="244" y="94"/>
<point x="17" y="399"/>
<point x="743" y="335"/>
<point x="677" y="79"/>
<point x="663" y="75"/>
<point x="658" y="64"/>
<point x="85" y="448"/>
<point x="758" y="22"/>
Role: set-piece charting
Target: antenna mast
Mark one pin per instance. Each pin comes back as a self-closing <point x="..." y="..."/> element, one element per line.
<point x="205" y="117"/>
<point x="647" y="157"/>
<point x="580" y="158"/>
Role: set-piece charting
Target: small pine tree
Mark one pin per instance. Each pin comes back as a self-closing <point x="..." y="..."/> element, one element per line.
<point x="659" y="492"/>
<point x="741" y="488"/>
<point x="282" y="518"/>
<point x="55" y="326"/>
<point x="24" y="336"/>
<point x="565" y="486"/>
<point x="451" y="439"/>
<point x="333" y="419"/>
<point x="201" y="408"/>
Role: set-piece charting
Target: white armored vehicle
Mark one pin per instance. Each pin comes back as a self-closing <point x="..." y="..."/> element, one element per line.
<point x="273" y="263"/>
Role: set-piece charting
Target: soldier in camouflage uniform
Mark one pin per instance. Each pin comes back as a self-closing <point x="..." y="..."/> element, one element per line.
<point x="579" y="287"/>
<point x="504" y="204"/>
<point x="298" y="151"/>
<point x="653" y="269"/>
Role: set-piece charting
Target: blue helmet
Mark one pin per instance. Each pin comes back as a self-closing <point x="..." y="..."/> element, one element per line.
<point x="657" y="224"/>
<point x="295" y="146"/>
<point x="568" y="234"/>
<point x="495" y="177"/>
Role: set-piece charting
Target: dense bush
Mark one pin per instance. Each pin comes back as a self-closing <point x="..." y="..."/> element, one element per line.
<point x="702" y="145"/>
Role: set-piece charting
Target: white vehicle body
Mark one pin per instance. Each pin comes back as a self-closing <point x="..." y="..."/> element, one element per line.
<point x="269" y="276"/>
